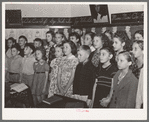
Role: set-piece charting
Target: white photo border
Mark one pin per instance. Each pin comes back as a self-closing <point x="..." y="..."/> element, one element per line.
<point x="75" y="114"/>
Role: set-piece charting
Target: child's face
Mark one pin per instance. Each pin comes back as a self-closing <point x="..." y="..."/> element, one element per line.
<point x="82" y="55"/>
<point x="58" y="38"/>
<point x="136" y="50"/>
<point x="88" y="40"/>
<point x="67" y="49"/>
<point x="104" y="56"/>
<point x="37" y="44"/>
<point x="74" y="39"/>
<point x="78" y="31"/>
<point x="27" y="50"/>
<point x="38" y="55"/>
<point x="58" y="52"/>
<point x="117" y="44"/>
<point x="49" y="37"/>
<point x="122" y="62"/>
<point x="14" y="52"/>
<point x="22" y="42"/>
<point x="97" y="43"/>
<point x="9" y="43"/>
<point x="138" y="36"/>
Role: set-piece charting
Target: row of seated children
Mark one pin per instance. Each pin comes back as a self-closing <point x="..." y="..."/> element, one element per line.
<point x="68" y="76"/>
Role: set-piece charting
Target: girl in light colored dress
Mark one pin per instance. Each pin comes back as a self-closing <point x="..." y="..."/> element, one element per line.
<point x="41" y="69"/>
<point x="54" y="70"/>
<point x="67" y="69"/>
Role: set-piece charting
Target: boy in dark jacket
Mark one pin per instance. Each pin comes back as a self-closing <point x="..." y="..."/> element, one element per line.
<point x="84" y="75"/>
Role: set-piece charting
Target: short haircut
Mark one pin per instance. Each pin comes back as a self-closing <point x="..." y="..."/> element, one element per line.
<point x="50" y="32"/>
<point x="23" y="38"/>
<point x="91" y="34"/>
<point x="31" y="46"/>
<point x="75" y="34"/>
<point x="38" y="40"/>
<point x="85" y="48"/>
<point x="61" y="33"/>
<point x="105" y="40"/>
<point x="16" y="46"/>
<point x="63" y="36"/>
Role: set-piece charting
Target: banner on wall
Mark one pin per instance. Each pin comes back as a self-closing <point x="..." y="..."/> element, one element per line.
<point x="31" y="21"/>
<point x="131" y="17"/>
<point x="57" y="21"/>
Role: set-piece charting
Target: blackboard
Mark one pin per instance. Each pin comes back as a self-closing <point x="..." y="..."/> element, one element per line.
<point x="13" y="17"/>
<point x="131" y="17"/>
<point x="57" y="21"/>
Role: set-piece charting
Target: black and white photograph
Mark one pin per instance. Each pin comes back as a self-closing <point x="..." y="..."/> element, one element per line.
<point x="83" y="59"/>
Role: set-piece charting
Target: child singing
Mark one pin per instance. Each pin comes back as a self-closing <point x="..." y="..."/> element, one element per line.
<point x="15" y="64"/>
<point x="84" y="76"/>
<point x="67" y="69"/>
<point x="28" y="62"/>
<point x="41" y="69"/>
<point x="104" y="76"/>
<point x="53" y="89"/>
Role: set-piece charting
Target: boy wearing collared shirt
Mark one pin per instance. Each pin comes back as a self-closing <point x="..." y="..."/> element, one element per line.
<point x="14" y="64"/>
<point x="28" y="62"/>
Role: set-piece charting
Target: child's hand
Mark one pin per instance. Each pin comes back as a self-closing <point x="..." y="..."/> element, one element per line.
<point x="104" y="102"/>
<point x="89" y="103"/>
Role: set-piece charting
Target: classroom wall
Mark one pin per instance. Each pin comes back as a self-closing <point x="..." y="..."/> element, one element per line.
<point x="65" y="10"/>
<point x="31" y="34"/>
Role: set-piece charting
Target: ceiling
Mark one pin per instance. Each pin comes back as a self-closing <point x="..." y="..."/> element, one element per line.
<point x="69" y="10"/>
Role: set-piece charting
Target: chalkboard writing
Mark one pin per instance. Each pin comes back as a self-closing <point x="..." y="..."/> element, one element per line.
<point x="82" y="20"/>
<point x="46" y="21"/>
<point x="57" y="21"/>
<point x="135" y="17"/>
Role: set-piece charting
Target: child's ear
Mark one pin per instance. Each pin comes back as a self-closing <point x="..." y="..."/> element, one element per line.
<point x="123" y="44"/>
<point x="111" y="55"/>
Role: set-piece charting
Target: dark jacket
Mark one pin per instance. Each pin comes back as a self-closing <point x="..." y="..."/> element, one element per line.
<point x="84" y="79"/>
<point x="124" y="93"/>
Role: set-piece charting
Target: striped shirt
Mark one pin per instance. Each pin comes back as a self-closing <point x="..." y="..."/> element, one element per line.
<point x="103" y="83"/>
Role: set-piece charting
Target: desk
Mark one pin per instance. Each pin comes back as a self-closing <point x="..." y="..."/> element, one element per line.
<point x="64" y="103"/>
<point x="24" y="97"/>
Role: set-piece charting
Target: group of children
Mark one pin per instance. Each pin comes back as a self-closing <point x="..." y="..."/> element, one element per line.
<point x="101" y="70"/>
